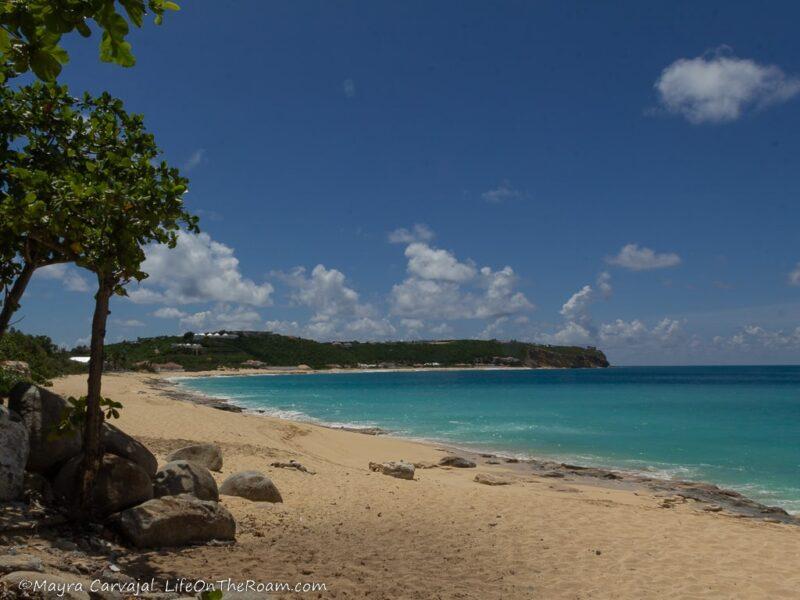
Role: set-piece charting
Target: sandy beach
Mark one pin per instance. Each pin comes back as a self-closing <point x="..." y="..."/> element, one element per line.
<point x="443" y="535"/>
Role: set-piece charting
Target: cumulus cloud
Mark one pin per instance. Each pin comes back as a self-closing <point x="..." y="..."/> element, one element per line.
<point x="69" y="276"/>
<point x="128" y="323"/>
<point x="639" y="258"/>
<point x="756" y="338"/>
<point x="794" y="275"/>
<point x="197" y="157"/>
<point x="223" y="316"/>
<point x="418" y="233"/>
<point x="719" y="87"/>
<point x="326" y="292"/>
<point x="440" y="286"/>
<point x="197" y="270"/>
<point x="501" y="193"/>
<point x="169" y="313"/>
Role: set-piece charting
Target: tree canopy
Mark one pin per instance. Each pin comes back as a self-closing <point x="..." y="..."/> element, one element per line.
<point x="31" y="31"/>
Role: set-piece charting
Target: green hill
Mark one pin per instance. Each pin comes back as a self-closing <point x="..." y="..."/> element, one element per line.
<point x="233" y="349"/>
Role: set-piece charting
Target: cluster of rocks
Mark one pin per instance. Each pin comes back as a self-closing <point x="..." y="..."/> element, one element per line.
<point x="405" y="470"/>
<point x="171" y="505"/>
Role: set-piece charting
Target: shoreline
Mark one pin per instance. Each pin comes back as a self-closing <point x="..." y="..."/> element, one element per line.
<point x="714" y="496"/>
<point x="496" y="530"/>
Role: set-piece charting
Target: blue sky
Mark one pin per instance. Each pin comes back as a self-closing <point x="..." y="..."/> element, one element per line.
<point x="624" y="176"/>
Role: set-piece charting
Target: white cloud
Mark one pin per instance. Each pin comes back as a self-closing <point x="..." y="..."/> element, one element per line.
<point x="755" y="338"/>
<point x="501" y="193"/>
<point x="223" y="316"/>
<point x="431" y="263"/>
<point x="794" y="275"/>
<point x="68" y="275"/>
<point x="128" y="323"/>
<point x="418" y="233"/>
<point x="493" y="329"/>
<point x="413" y="325"/>
<point x="349" y="88"/>
<point x="326" y="292"/>
<point x="637" y="258"/>
<point x="197" y="270"/>
<point x="440" y="286"/>
<point x="197" y="157"/>
<point x="169" y="313"/>
<point x="719" y="87"/>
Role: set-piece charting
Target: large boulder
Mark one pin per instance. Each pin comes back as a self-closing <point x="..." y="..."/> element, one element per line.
<point x="207" y="455"/>
<point x="17" y="367"/>
<point x="251" y="485"/>
<point x="120" y="483"/>
<point x="175" y="521"/>
<point x="41" y="412"/>
<point x="116" y="441"/>
<point x="13" y="454"/>
<point x="184" y="477"/>
<point x="399" y="469"/>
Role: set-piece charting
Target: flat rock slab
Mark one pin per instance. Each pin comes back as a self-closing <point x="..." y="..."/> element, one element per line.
<point x="399" y="469"/>
<point x="489" y="479"/>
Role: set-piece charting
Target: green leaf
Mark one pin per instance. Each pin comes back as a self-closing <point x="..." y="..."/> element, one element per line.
<point x="45" y="65"/>
<point x="5" y="41"/>
<point x="171" y="6"/>
<point x="83" y="28"/>
<point x="135" y="10"/>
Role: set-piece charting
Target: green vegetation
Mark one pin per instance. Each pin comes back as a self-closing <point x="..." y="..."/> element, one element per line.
<point x="43" y="357"/>
<point x="202" y="353"/>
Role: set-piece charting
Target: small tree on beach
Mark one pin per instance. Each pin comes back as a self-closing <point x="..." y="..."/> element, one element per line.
<point x="87" y="190"/>
<point x="31" y="31"/>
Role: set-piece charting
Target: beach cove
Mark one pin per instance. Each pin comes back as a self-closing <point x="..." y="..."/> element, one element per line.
<point x="444" y="535"/>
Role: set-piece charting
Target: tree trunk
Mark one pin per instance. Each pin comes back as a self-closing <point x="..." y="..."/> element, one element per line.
<point x="14" y="295"/>
<point x="92" y="429"/>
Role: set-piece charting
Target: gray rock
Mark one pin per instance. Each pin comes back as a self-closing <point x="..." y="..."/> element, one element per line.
<point x="13" y="454"/>
<point x="399" y="469"/>
<point x="17" y="367"/>
<point x="251" y="485"/>
<point x="41" y="412"/>
<point x="120" y="483"/>
<point x="53" y="586"/>
<point x="175" y="521"/>
<point x="19" y="562"/>
<point x="116" y="441"/>
<point x="37" y="487"/>
<point x="207" y="455"/>
<point x="457" y="461"/>
<point x="184" y="477"/>
<point x="489" y="479"/>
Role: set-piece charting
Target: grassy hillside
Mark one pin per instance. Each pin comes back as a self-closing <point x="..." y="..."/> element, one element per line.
<point x="279" y="350"/>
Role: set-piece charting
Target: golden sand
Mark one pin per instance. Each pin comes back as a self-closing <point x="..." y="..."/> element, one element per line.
<point x="366" y="535"/>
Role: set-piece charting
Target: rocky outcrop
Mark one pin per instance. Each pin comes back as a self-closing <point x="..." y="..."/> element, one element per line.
<point x="19" y="562"/>
<point x="251" y="485"/>
<point x="206" y="455"/>
<point x="13" y="454"/>
<point x="41" y="412"/>
<point x="17" y="367"/>
<point x="458" y="462"/>
<point x="116" y="441"/>
<point x="399" y="469"/>
<point x="175" y="521"/>
<point x="120" y="483"/>
<point x="184" y="477"/>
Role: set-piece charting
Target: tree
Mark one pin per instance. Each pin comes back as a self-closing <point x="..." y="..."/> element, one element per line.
<point x="83" y="186"/>
<point x="31" y="31"/>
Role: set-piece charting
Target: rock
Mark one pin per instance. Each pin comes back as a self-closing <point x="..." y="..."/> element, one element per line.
<point x="207" y="455"/>
<point x="251" y="485"/>
<point x="457" y="461"/>
<point x="116" y="441"/>
<point x="175" y="521"/>
<point x="20" y="562"/>
<point x="399" y="469"/>
<point x="41" y="412"/>
<point x="489" y="479"/>
<point x="13" y="454"/>
<point x="17" y="367"/>
<point x="37" y="487"/>
<point x="185" y="477"/>
<point x="120" y="483"/>
<point x="48" y="585"/>
<point x="292" y="464"/>
<point x="226" y="406"/>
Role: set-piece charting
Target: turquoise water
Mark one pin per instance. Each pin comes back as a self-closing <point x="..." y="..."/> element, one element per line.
<point x="735" y="426"/>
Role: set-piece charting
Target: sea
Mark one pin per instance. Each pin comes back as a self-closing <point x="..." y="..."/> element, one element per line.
<point x="738" y="427"/>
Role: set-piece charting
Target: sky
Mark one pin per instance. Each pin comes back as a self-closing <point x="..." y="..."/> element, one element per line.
<point x="621" y="176"/>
